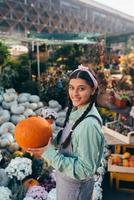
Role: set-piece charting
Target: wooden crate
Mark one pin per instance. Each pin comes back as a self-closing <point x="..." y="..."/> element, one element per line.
<point x="116" y="168"/>
<point x="129" y="139"/>
<point x="120" y="173"/>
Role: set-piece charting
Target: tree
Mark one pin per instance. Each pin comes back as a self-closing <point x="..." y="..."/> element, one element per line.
<point x="4" y="53"/>
<point x="68" y="55"/>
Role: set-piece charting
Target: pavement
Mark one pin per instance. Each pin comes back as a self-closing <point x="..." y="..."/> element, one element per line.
<point x="112" y="194"/>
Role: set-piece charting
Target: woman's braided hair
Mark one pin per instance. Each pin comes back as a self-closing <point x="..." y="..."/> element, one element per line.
<point x="83" y="75"/>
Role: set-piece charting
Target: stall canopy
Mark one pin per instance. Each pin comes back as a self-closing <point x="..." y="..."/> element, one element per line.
<point x="118" y="37"/>
<point x="64" y="38"/>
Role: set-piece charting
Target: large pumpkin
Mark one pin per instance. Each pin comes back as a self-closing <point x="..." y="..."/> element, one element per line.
<point x="33" y="132"/>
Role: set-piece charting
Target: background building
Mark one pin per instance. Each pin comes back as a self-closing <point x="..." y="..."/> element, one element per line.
<point x="60" y="16"/>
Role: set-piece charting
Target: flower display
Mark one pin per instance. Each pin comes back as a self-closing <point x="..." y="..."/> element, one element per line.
<point x="37" y="193"/>
<point x="5" y="193"/>
<point x="19" y="168"/>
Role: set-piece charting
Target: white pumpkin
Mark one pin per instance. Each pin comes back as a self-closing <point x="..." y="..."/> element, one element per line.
<point x="40" y="104"/>
<point x="38" y="112"/>
<point x="13" y="147"/>
<point x="22" y="98"/>
<point x="53" y="104"/>
<point x="7" y="127"/>
<point x="33" y="106"/>
<point x="8" y="97"/>
<point x="16" y="118"/>
<point x="34" y="99"/>
<point x="10" y="90"/>
<point x="25" y="104"/>
<point x="4" y="116"/>
<point x="17" y="109"/>
<point x="26" y="94"/>
<point x="29" y="112"/>
<point x="4" y="142"/>
<point x="7" y="136"/>
<point x="7" y="105"/>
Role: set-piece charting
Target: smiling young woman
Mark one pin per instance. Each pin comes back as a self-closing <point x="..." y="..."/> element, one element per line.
<point x="79" y="92"/>
<point x="77" y="149"/>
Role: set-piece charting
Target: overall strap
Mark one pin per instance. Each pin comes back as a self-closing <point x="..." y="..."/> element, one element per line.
<point x="94" y="116"/>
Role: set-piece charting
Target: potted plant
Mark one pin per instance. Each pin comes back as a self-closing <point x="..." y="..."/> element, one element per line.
<point x="121" y="99"/>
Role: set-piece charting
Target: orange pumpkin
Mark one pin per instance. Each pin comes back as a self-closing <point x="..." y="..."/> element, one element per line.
<point x="30" y="183"/>
<point x="33" y="132"/>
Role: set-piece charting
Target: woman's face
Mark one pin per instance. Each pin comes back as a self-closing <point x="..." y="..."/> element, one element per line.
<point x="79" y="92"/>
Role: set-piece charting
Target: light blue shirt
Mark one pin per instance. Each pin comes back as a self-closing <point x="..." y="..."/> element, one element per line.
<point x="87" y="147"/>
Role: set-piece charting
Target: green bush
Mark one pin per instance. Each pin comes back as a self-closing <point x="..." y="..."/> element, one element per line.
<point x="53" y="91"/>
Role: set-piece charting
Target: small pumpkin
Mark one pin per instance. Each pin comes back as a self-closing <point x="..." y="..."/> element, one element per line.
<point x="30" y="183"/>
<point x="33" y="132"/>
<point x="18" y="154"/>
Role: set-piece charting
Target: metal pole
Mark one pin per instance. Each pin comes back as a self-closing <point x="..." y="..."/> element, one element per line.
<point x="38" y="61"/>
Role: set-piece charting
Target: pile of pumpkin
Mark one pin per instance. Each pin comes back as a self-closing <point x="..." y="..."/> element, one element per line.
<point x="125" y="160"/>
<point x="17" y="107"/>
<point x="13" y="109"/>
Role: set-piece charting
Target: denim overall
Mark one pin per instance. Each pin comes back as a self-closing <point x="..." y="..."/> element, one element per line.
<point x="68" y="188"/>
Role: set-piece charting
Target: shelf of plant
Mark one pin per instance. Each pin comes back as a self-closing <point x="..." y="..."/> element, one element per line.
<point x="123" y="133"/>
<point x="125" y="110"/>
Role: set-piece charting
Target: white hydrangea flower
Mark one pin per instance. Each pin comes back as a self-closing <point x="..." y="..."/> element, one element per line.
<point x="5" y="193"/>
<point x="19" y="168"/>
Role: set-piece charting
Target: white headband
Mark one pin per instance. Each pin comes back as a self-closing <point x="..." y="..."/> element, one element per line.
<point x="83" y="68"/>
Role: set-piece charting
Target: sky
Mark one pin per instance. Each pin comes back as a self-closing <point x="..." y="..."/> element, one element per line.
<point x="126" y="6"/>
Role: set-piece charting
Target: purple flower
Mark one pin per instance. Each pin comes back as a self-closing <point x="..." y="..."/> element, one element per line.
<point x="37" y="193"/>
